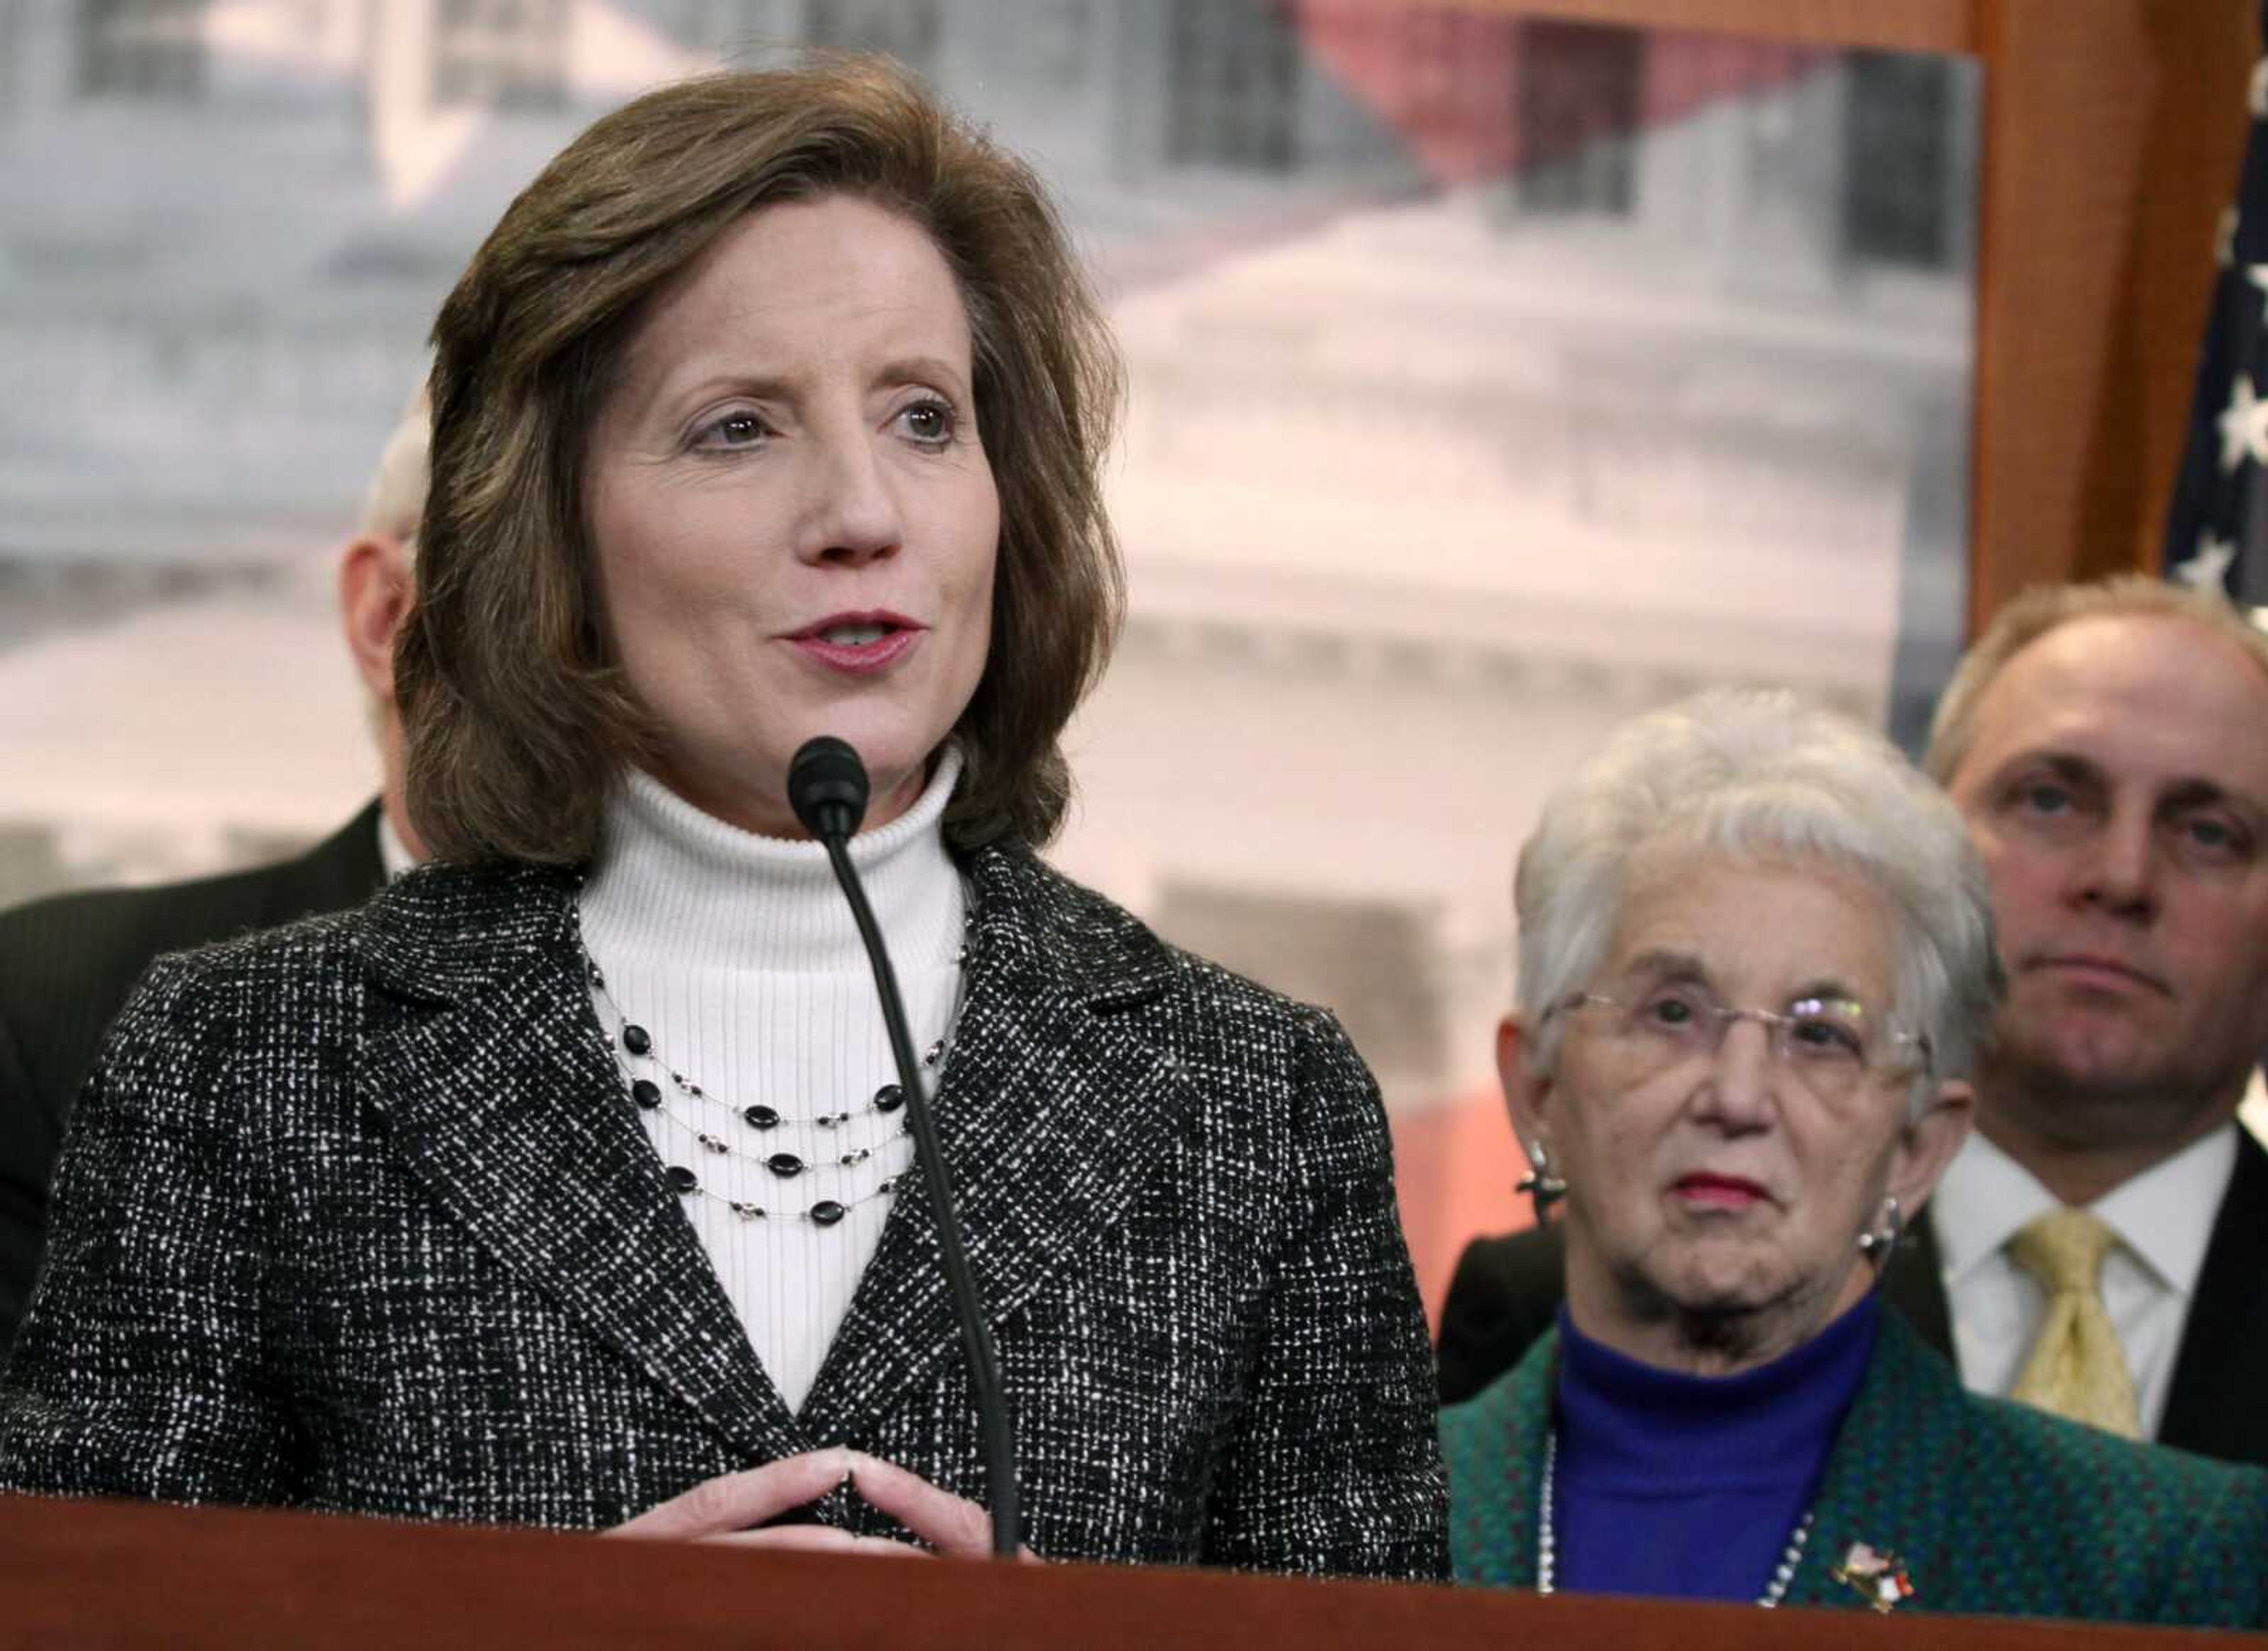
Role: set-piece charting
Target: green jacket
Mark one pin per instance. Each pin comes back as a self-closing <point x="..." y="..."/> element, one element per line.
<point x="1990" y="1508"/>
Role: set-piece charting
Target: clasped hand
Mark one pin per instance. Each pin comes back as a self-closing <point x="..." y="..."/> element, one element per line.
<point x="731" y="1507"/>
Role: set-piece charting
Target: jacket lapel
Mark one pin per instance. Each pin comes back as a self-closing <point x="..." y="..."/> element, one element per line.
<point x="1053" y="1110"/>
<point x="1493" y="1447"/>
<point x="498" y="1091"/>
<point x="1894" y="1479"/>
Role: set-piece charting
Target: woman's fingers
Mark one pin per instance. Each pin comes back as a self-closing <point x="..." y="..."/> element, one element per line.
<point x="818" y="1538"/>
<point x="735" y="1501"/>
<point x="728" y="1508"/>
<point x="949" y="1523"/>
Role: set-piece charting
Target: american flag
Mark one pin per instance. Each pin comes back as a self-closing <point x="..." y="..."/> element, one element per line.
<point x="2217" y="529"/>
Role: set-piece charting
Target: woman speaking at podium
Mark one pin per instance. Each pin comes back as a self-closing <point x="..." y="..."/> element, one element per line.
<point x="573" y="1174"/>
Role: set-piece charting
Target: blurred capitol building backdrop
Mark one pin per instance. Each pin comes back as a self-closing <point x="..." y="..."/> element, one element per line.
<point x="1494" y="377"/>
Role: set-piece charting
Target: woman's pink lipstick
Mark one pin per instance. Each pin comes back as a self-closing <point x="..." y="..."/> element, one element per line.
<point x="1718" y="1192"/>
<point x="859" y="654"/>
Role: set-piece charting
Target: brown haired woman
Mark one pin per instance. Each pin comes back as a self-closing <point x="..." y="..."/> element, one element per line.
<point x="571" y="1175"/>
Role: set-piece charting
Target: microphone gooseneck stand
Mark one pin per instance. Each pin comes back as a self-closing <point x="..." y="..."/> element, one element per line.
<point x="826" y="786"/>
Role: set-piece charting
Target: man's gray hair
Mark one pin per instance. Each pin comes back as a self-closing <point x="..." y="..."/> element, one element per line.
<point x="1762" y="775"/>
<point x="396" y="502"/>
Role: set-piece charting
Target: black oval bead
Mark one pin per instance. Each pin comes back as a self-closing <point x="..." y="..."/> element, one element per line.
<point x="759" y="1117"/>
<point x="783" y="1164"/>
<point x="888" y="1098"/>
<point x="680" y="1179"/>
<point x="646" y="1093"/>
<point x="635" y="1039"/>
<point x="827" y="1212"/>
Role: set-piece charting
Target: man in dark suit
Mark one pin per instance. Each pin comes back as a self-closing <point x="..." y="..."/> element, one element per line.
<point x="2104" y="743"/>
<point x="68" y="963"/>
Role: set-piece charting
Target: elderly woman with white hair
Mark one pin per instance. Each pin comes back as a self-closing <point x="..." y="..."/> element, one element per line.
<point x="1755" y="963"/>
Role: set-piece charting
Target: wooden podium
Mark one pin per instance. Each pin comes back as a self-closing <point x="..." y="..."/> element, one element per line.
<point x="108" y="1573"/>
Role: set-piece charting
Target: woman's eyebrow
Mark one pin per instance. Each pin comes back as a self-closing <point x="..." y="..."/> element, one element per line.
<point x="691" y="387"/>
<point x="1830" y="987"/>
<point x="1665" y="964"/>
<point x="920" y="369"/>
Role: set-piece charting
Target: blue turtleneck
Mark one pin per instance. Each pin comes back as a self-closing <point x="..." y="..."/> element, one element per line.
<point x="1691" y="1486"/>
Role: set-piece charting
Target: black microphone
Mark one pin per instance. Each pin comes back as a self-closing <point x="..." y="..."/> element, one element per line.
<point x="826" y="787"/>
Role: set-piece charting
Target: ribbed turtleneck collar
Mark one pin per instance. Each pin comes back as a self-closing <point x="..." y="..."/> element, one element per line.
<point x="1629" y="1426"/>
<point x="671" y="882"/>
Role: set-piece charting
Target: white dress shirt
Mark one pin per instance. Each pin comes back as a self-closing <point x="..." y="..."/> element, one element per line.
<point x="394" y="855"/>
<point x="2163" y="1218"/>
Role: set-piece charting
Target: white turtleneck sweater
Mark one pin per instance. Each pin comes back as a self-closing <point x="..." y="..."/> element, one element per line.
<point x="738" y="956"/>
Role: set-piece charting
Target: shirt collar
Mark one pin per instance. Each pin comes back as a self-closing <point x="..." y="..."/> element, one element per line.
<point x="2164" y="1216"/>
<point x="392" y="854"/>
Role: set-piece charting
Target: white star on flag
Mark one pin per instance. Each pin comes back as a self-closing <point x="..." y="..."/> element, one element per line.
<point x="2257" y="275"/>
<point x="2256" y="95"/>
<point x="2243" y="426"/>
<point x="2208" y="569"/>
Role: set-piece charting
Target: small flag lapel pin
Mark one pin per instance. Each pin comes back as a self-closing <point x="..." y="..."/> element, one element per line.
<point x="1875" y="1574"/>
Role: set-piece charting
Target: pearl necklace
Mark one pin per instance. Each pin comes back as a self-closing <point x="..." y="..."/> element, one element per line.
<point x="1547" y="1544"/>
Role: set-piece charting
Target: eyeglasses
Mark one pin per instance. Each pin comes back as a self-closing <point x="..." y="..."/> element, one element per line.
<point x="1830" y="1044"/>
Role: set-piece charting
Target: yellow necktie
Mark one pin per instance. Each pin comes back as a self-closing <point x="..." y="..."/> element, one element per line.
<point x="2077" y="1369"/>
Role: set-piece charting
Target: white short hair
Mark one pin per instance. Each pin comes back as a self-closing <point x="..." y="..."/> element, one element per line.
<point x="1754" y="774"/>
<point x="396" y="502"/>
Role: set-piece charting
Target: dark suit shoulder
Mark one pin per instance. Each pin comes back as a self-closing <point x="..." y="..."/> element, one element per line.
<point x="1503" y="1299"/>
<point x="2214" y="1405"/>
<point x="92" y="925"/>
<point x="76" y="944"/>
<point x="1529" y="1265"/>
<point x="67" y="962"/>
<point x="95" y="942"/>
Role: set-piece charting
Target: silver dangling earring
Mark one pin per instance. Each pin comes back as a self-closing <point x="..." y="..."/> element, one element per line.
<point x="1877" y="1243"/>
<point x="1543" y="1188"/>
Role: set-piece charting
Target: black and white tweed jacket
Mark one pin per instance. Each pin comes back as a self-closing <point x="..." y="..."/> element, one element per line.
<point x="356" y="1215"/>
